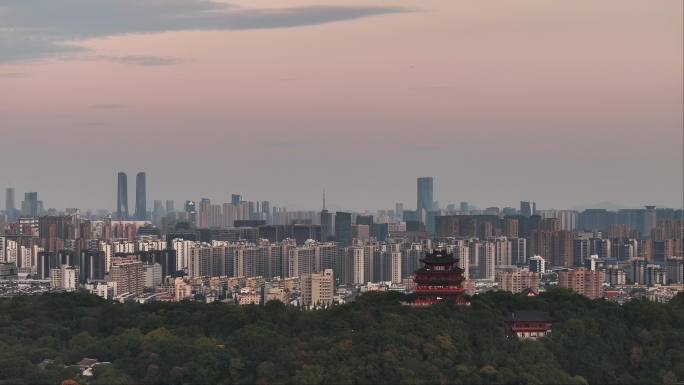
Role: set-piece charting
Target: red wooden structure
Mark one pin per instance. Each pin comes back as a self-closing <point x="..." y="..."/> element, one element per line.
<point x="528" y="324"/>
<point x="439" y="280"/>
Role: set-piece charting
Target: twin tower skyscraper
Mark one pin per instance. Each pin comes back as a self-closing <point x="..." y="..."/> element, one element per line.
<point x="140" y="197"/>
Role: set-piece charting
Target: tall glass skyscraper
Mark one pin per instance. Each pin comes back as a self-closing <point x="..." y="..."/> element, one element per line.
<point x="343" y="228"/>
<point x="140" y="197"/>
<point x="425" y="195"/>
<point x="122" y="197"/>
<point x="31" y="206"/>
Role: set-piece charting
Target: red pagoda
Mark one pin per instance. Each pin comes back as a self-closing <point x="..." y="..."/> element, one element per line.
<point x="439" y="280"/>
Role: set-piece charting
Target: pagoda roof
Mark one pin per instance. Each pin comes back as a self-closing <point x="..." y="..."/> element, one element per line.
<point x="529" y="315"/>
<point x="439" y="257"/>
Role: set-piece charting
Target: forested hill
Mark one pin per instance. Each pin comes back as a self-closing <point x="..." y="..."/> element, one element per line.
<point x="374" y="340"/>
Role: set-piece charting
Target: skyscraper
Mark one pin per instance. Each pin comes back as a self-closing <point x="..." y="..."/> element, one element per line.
<point x="204" y="208"/>
<point x="9" y="199"/>
<point x="425" y="196"/>
<point x="170" y="206"/>
<point x="399" y="210"/>
<point x="649" y="221"/>
<point x="326" y="224"/>
<point x="343" y="228"/>
<point x="9" y="204"/>
<point x="122" y="197"/>
<point x="31" y="206"/>
<point x="236" y="199"/>
<point x="157" y="212"/>
<point x="525" y="209"/>
<point x="141" y="196"/>
<point x="191" y="209"/>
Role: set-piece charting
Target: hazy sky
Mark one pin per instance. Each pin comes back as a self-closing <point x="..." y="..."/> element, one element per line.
<point x="565" y="102"/>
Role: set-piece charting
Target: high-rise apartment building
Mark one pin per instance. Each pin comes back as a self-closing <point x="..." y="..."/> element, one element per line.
<point x="129" y="275"/>
<point x="563" y="248"/>
<point x="511" y="227"/>
<point x="204" y="208"/>
<point x="487" y="260"/>
<point x="675" y="270"/>
<point x="394" y="260"/>
<point x="359" y="263"/>
<point x="122" y="197"/>
<point x="664" y="249"/>
<point x="517" y="281"/>
<point x="541" y="243"/>
<point x="64" y="277"/>
<point x="153" y="275"/>
<point x="140" y="197"/>
<point x="650" y="221"/>
<point x="537" y="264"/>
<point x="230" y="214"/>
<point x="644" y="273"/>
<point x="616" y="276"/>
<point x="3" y="247"/>
<point x="361" y="232"/>
<point x="92" y="264"/>
<point x="301" y="261"/>
<point x="318" y="288"/>
<point x="583" y="281"/>
<point x="568" y="219"/>
<point x="519" y="251"/>
<point x="503" y="251"/>
<point x="215" y="216"/>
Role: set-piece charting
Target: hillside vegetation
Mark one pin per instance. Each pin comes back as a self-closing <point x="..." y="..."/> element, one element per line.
<point x="374" y="340"/>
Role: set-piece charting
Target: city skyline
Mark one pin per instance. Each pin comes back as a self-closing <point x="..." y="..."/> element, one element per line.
<point x="350" y="192"/>
<point x="566" y="103"/>
<point x="425" y="191"/>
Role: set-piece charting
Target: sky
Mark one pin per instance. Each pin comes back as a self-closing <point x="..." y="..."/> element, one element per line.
<point x="567" y="103"/>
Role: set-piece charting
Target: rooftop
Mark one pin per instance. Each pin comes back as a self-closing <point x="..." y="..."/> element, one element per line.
<point x="439" y="257"/>
<point x="529" y="315"/>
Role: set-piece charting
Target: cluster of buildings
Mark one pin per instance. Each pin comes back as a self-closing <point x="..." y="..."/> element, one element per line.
<point x="251" y="252"/>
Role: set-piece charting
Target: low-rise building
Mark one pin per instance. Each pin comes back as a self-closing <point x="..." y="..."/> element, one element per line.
<point x="182" y="289"/>
<point x="529" y="324"/>
<point x="248" y="296"/>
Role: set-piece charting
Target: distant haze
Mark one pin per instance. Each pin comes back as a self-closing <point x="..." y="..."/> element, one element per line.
<point x="567" y="103"/>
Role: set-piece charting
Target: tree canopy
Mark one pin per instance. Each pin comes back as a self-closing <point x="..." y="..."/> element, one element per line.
<point x="373" y="340"/>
